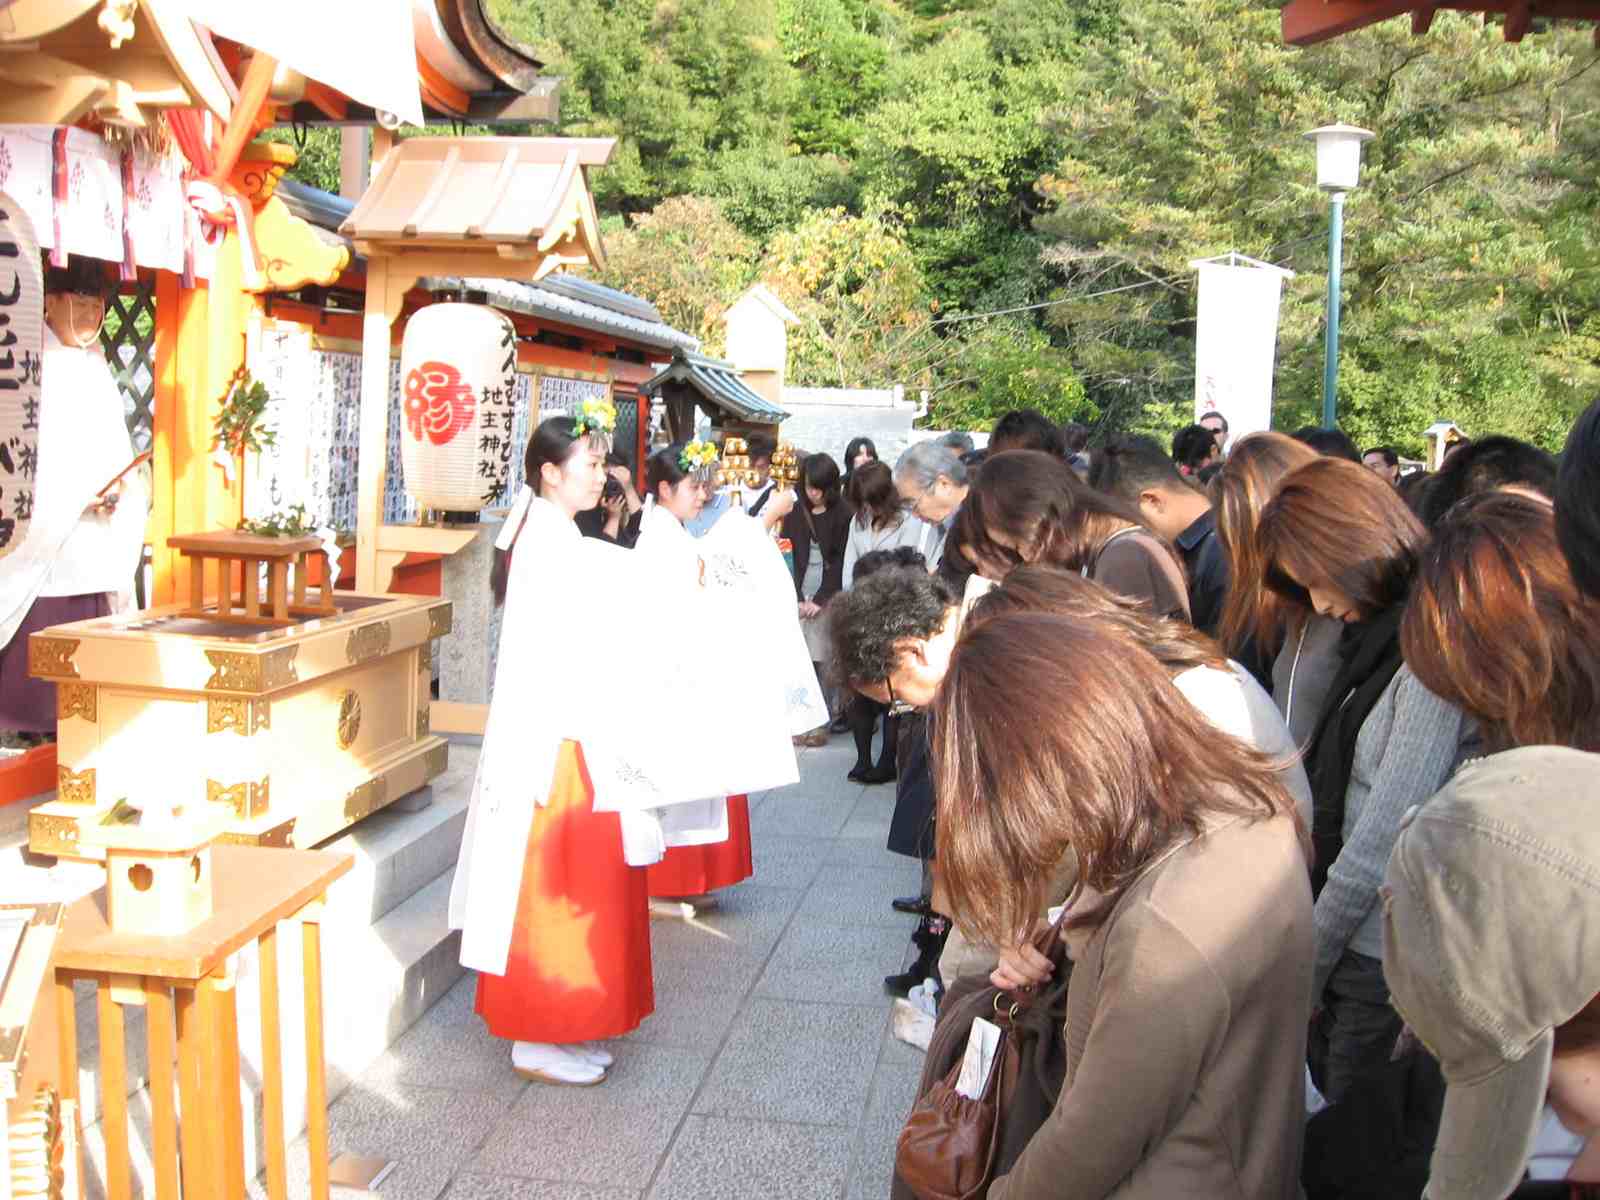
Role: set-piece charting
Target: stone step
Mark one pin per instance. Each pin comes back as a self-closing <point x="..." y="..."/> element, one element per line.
<point x="376" y="982"/>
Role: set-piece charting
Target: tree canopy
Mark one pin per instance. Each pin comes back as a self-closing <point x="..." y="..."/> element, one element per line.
<point x="897" y="169"/>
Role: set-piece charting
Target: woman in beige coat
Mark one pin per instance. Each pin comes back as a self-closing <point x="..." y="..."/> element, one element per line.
<point x="1190" y="929"/>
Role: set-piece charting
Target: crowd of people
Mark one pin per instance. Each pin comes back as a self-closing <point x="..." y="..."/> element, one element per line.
<point x="1256" y="770"/>
<point x="1264" y="770"/>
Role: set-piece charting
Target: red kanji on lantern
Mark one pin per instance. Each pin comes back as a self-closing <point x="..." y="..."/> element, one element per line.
<point x="438" y="403"/>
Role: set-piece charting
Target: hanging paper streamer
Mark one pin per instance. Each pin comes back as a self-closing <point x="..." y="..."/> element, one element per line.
<point x="1236" y="341"/>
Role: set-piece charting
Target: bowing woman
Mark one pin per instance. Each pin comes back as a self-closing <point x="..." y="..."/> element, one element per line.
<point x="677" y="478"/>
<point x="554" y="918"/>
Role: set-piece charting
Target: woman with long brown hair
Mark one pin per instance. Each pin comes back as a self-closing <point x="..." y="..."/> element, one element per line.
<point x="882" y="521"/>
<point x="1259" y="624"/>
<point x="1030" y="507"/>
<point x="1190" y="928"/>
<point x="1340" y="540"/>
<point x="1497" y="626"/>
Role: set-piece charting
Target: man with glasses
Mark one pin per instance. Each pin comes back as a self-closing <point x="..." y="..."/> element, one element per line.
<point x="933" y="481"/>
<point x="893" y="633"/>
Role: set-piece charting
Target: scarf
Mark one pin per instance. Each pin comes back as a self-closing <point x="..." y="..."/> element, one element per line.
<point x="1369" y="653"/>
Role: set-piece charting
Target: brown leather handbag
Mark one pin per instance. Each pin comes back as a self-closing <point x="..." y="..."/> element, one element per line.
<point x="952" y="1147"/>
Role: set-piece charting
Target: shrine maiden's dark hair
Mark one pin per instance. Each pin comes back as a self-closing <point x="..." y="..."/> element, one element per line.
<point x="552" y="442"/>
<point x="663" y="467"/>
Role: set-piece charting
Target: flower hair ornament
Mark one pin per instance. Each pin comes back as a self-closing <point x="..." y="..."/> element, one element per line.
<point x="698" y="458"/>
<point x="595" y="419"/>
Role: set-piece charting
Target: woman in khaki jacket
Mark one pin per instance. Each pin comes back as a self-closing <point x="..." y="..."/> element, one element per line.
<point x="1190" y="930"/>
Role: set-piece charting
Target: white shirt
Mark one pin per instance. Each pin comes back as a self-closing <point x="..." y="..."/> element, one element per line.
<point x="1239" y="706"/>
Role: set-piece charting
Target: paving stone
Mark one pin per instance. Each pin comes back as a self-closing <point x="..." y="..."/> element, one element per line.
<point x="472" y="1186"/>
<point x="613" y="1135"/>
<point x="817" y="815"/>
<point x="835" y="964"/>
<point x="860" y="895"/>
<point x="894" y="1087"/>
<point x="789" y="1061"/>
<point x="688" y="1018"/>
<point x="788" y="862"/>
<point x="722" y="1159"/>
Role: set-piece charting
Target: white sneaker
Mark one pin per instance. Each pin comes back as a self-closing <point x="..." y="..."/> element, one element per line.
<point x="594" y="1052"/>
<point x="544" y="1063"/>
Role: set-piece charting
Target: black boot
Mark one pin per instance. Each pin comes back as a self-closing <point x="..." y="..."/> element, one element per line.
<point x="929" y="939"/>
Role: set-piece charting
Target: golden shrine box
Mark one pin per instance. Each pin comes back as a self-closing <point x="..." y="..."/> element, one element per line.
<point x="296" y="732"/>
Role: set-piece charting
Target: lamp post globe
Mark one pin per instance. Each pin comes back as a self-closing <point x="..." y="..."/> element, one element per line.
<point x="1338" y="171"/>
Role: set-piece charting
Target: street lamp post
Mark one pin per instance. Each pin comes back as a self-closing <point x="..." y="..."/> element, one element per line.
<point x="1338" y="172"/>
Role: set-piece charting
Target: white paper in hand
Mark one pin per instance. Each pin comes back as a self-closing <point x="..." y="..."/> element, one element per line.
<point x="982" y="1043"/>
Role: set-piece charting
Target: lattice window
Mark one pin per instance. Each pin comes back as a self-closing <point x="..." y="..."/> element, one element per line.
<point x="129" y="339"/>
<point x="626" y="437"/>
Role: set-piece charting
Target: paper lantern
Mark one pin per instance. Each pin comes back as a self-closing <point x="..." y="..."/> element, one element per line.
<point x="457" y="376"/>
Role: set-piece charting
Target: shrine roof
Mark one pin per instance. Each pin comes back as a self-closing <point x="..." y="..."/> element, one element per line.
<point x="719" y="384"/>
<point x="568" y="300"/>
<point x="477" y="193"/>
<point x="560" y="298"/>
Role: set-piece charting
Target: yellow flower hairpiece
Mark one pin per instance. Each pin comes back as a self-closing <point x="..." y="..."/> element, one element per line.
<point x="697" y="456"/>
<point x="594" y="416"/>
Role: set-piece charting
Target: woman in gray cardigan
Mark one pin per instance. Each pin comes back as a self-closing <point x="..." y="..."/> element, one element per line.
<point x="1339" y="540"/>
<point x="1190" y="930"/>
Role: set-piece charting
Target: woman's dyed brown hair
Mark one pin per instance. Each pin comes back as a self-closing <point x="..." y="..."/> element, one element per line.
<point x="1239" y="492"/>
<point x="1050" y="735"/>
<point x="873" y="496"/>
<point x="1333" y="523"/>
<point x="1176" y="645"/>
<point x="1497" y="626"/>
<point x="1038" y="505"/>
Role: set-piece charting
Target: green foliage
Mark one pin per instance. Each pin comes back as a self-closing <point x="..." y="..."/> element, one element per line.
<point x="318" y="149"/>
<point x="887" y="164"/>
<point x="1006" y="365"/>
<point x="689" y="259"/>
<point x="293" y="521"/>
<point x="855" y="285"/>
<point x="238" y="426"/>
<point x="1185" y="142"/>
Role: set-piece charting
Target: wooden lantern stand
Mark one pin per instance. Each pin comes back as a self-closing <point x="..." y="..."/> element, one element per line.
<point x="186" y="986"/>
<point x="229" y="547"/>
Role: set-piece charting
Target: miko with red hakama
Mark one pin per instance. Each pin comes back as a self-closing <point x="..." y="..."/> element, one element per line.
<point x="578" y="967"/>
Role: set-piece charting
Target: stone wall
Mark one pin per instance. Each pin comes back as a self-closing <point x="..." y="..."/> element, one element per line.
<point x="825" y="419"/>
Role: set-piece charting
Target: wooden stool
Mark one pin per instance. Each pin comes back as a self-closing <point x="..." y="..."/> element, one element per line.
<point x="192" y="1024"/>
<point x="229" y="546"/>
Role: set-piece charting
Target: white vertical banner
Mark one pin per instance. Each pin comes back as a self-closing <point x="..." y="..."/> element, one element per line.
<point x="1236" y="341"/>
<point x="21" y="351"/>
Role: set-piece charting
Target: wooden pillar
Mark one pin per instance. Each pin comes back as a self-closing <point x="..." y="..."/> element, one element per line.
<point x="199" y="344"/>
<point x="386" y="288"/>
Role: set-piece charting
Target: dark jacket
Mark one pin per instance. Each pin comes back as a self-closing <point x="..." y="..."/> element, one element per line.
<point x="592" y="523"/>
<point x="832" y="532"/>
<point x="911" y="828"/>
<point x="1208" y="572"/>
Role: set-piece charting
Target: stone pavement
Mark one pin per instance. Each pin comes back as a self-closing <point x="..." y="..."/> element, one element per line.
<point x="767" y="1070"/>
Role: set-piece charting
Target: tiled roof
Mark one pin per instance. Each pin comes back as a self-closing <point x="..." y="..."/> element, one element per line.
<point x="562" y="298"/>
<point x="720" y="385"/>
<point x="546" y="302"/>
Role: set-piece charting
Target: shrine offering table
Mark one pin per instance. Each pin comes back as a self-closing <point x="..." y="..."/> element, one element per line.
<point x="186" y="986"/>
<point x="250" y="552"/>
<point x="296" y="732"/>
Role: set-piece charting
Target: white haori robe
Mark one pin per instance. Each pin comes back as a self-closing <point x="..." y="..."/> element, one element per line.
<point x="83" y="444"/>
<point x="567" y="599"/>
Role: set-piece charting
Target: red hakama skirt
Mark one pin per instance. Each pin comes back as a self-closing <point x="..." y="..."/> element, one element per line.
<point x="696" y="870"/>
<point x="579" y="966"/>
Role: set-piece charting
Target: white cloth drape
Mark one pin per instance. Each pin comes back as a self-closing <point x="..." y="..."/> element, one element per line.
<point x="83" y="444"/>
